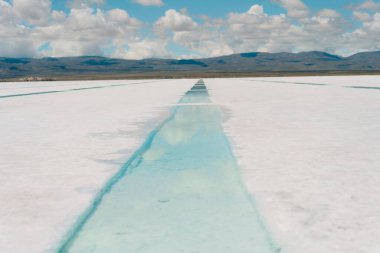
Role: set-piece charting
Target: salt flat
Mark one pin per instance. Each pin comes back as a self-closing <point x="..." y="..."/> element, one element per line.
<point x="57" y="150"/>
<point x="310" y="155"/>
<point x="308" y="149"/>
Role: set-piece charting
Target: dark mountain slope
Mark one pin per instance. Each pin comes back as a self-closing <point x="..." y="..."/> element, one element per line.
<point x="314" y="61"/>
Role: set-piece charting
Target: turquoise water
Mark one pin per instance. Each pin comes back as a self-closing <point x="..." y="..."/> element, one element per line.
<point x="180" y="193"/>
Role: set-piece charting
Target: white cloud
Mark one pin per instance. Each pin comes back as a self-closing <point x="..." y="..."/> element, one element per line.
<point x="362" y="16"/>
<point x="6" y="13"/>
<point x="149" y="2"/>
<point x="372" y="26"/>
<point x="181" y="29"/>
<point x="83" y="31"/>
<point x="328" y="13"/>
<point x="256" y="10"/>
<point x="206" y="43"/>
<point x="366" y="37"/>
<point x="295" y="8"/>
<point x="35" y="12"/>
<point x="144" y="49"/>
<point x="121" y="17"/>
<point x="87" y="29"/>
<point x="364" y="12"/>
<point x="174" y="21"/>
<point x="14" y="39"/>
<point x="256" y="30"/>
<point x="369" y="5"/>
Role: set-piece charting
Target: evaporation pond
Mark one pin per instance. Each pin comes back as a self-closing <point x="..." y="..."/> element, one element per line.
<point x="182" y="193"/>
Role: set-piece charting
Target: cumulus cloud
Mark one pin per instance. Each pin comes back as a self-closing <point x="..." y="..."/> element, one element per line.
<point x="204" y="44"/>
<point x="362" y="16"/>
<point x="365" y="37"/>
<point x="6" y="13"/>
<point x="14" y="39"/>
<point x="144" y="49"/>
<point x="365" y="11"/>
<point x="88" y="29"/>
<point x="149" y="2"/>
<point x="369" y="5"/>
<point x="202" y="39"/>
<point x="174" y="21"/>
<point x="258" y="31"/>
<point x="295" y="8"/>
<point x="35" y="12"/>
<point x="83" y="31"/>
<point x="256" y="10"/>
<point x="255" y="30"/>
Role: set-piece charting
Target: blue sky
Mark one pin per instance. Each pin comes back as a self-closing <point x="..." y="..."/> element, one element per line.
<point x="212" y="8"/>
<point x="187" y="28"/>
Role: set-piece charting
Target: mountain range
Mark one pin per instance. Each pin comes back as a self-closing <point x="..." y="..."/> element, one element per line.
<point x="254" y="62"/>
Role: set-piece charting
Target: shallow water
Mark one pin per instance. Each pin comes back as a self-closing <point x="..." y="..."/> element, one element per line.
<point x="180" y="193"/>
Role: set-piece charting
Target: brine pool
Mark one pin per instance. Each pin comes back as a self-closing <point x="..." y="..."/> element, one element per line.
<point x="180" y="192"/>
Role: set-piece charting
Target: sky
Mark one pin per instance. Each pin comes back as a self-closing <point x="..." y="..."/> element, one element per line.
<point x="137" y="29"/>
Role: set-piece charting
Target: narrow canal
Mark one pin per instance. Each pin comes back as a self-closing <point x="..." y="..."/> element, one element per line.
<point x="181" y="192"/>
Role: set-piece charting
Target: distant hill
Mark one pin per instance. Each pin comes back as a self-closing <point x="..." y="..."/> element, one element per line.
<point x="256" y="62"/>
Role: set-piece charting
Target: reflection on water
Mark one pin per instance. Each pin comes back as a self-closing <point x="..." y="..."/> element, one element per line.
<point x="184" y="195"/>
